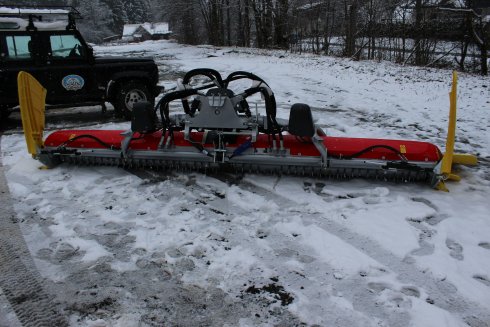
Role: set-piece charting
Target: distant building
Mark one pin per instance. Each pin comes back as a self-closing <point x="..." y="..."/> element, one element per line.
<point x="146" y="31"/>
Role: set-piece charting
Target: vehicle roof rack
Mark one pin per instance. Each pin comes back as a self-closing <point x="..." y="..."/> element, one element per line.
<point x="42" y="14"/>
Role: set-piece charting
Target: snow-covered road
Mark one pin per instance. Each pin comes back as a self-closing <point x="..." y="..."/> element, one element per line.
<point x="140" y="248"/>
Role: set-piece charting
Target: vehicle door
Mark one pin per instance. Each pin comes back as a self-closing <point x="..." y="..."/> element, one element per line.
<point x="19" y="51"/>
<point x="70" y="74"/>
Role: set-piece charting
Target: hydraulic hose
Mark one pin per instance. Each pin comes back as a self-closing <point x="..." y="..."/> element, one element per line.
<point x="162" y="105"/>
<point x="392" y="149"/>
<point x="208" y="72"/>
<point x="88" y="136"/>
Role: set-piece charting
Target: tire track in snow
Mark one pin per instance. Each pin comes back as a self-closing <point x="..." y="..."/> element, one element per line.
<point x="95" y="290"/>
<point x="325" y="284"/>
<point x="362" y="292"/>
<point x="19" y="279"/>
<point x="440" y="293"/>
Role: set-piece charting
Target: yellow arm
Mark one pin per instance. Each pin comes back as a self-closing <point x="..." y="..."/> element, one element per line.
<point x="444" y="169"/>
<point x="32" y="97"/>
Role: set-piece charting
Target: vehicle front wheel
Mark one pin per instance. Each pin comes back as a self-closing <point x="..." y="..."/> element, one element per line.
<point x="130" y="93"/>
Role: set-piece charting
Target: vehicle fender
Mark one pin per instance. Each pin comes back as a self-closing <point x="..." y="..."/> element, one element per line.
<point x="110" y="89"/>
<point x="117" y="78"/>
<point x="131" y="74"/>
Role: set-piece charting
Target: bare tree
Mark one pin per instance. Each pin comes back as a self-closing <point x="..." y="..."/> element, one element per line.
<point x="351" y="28"/>
<point x="481" y="36"/>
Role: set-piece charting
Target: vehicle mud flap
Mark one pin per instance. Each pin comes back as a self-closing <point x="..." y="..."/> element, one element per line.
<point x="444" y="168"/>
<point x="32" y="100"/>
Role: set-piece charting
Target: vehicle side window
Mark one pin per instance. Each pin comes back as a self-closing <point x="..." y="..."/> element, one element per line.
<point x="66" y="46"/>
<point x="18" y="47"/>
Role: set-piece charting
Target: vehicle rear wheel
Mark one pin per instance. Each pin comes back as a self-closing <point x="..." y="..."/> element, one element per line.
<point x="130" y="93"/>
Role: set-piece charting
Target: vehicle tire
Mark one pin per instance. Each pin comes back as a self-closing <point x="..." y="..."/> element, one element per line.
<point x="129" y="93"/>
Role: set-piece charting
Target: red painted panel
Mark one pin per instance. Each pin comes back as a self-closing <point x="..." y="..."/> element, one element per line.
<point x="337" y="146"/>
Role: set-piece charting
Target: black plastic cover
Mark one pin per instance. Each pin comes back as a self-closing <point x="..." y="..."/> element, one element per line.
<point x="301" y="121"/>
<point x="143" y="117"/>
<point x="220" y="92"/>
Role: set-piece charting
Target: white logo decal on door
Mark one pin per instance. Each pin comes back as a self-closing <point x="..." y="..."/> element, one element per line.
<point x="73" y="82"/>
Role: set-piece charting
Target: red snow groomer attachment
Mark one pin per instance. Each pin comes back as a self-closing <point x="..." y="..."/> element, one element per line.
<point x="219" y="131"/>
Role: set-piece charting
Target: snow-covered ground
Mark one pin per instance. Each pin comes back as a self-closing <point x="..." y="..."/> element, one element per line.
<point x="139" y="248"/>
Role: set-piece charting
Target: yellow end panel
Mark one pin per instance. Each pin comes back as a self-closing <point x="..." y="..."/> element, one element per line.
<point x="454" y="177"/>
<point x="465" y="159"/>
<point x="441" y="186"/>
<point x="445" y="166"/>
<point x="447" y="160"/>
<point x="32" y="97"/>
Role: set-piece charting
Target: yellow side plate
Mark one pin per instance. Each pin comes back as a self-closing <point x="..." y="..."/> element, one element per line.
<point x="32" y="97"/>
<point x="465" y="159"/>
<point x="444" y="169"/>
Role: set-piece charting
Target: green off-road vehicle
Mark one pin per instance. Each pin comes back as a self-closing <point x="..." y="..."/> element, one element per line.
<point x="46" y="43"/>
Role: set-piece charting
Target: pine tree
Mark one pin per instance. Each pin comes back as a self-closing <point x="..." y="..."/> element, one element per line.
<point x="118" y="15"/>
<point x="137" y="11"/>
<point x="97" y="18"/>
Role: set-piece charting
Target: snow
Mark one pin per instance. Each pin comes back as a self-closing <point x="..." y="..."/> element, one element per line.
<point x="156" y="28"/>
<point x="8" y="10"/>
<point x="129" y="29"/>
<point x="309" y="6"/>
<point x="350" y="253"/>
<point x="152" y="28"/>
<point x="426" y="315"/>
<point x="346" y="259"/>
<point x="57" y="20"/>
<point x="45" y="26"/>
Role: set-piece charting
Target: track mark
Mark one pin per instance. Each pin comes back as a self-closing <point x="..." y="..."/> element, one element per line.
<point x="377" y="288"/>
<point x="485" y="245"/>
<point x="434" y="219"/>
<point x="410" y="291"/>
<point x="19" y="280"/>
<point x="482" y="279"/>
<point x="456" y="249"/>
<point x="425" y="247"/>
